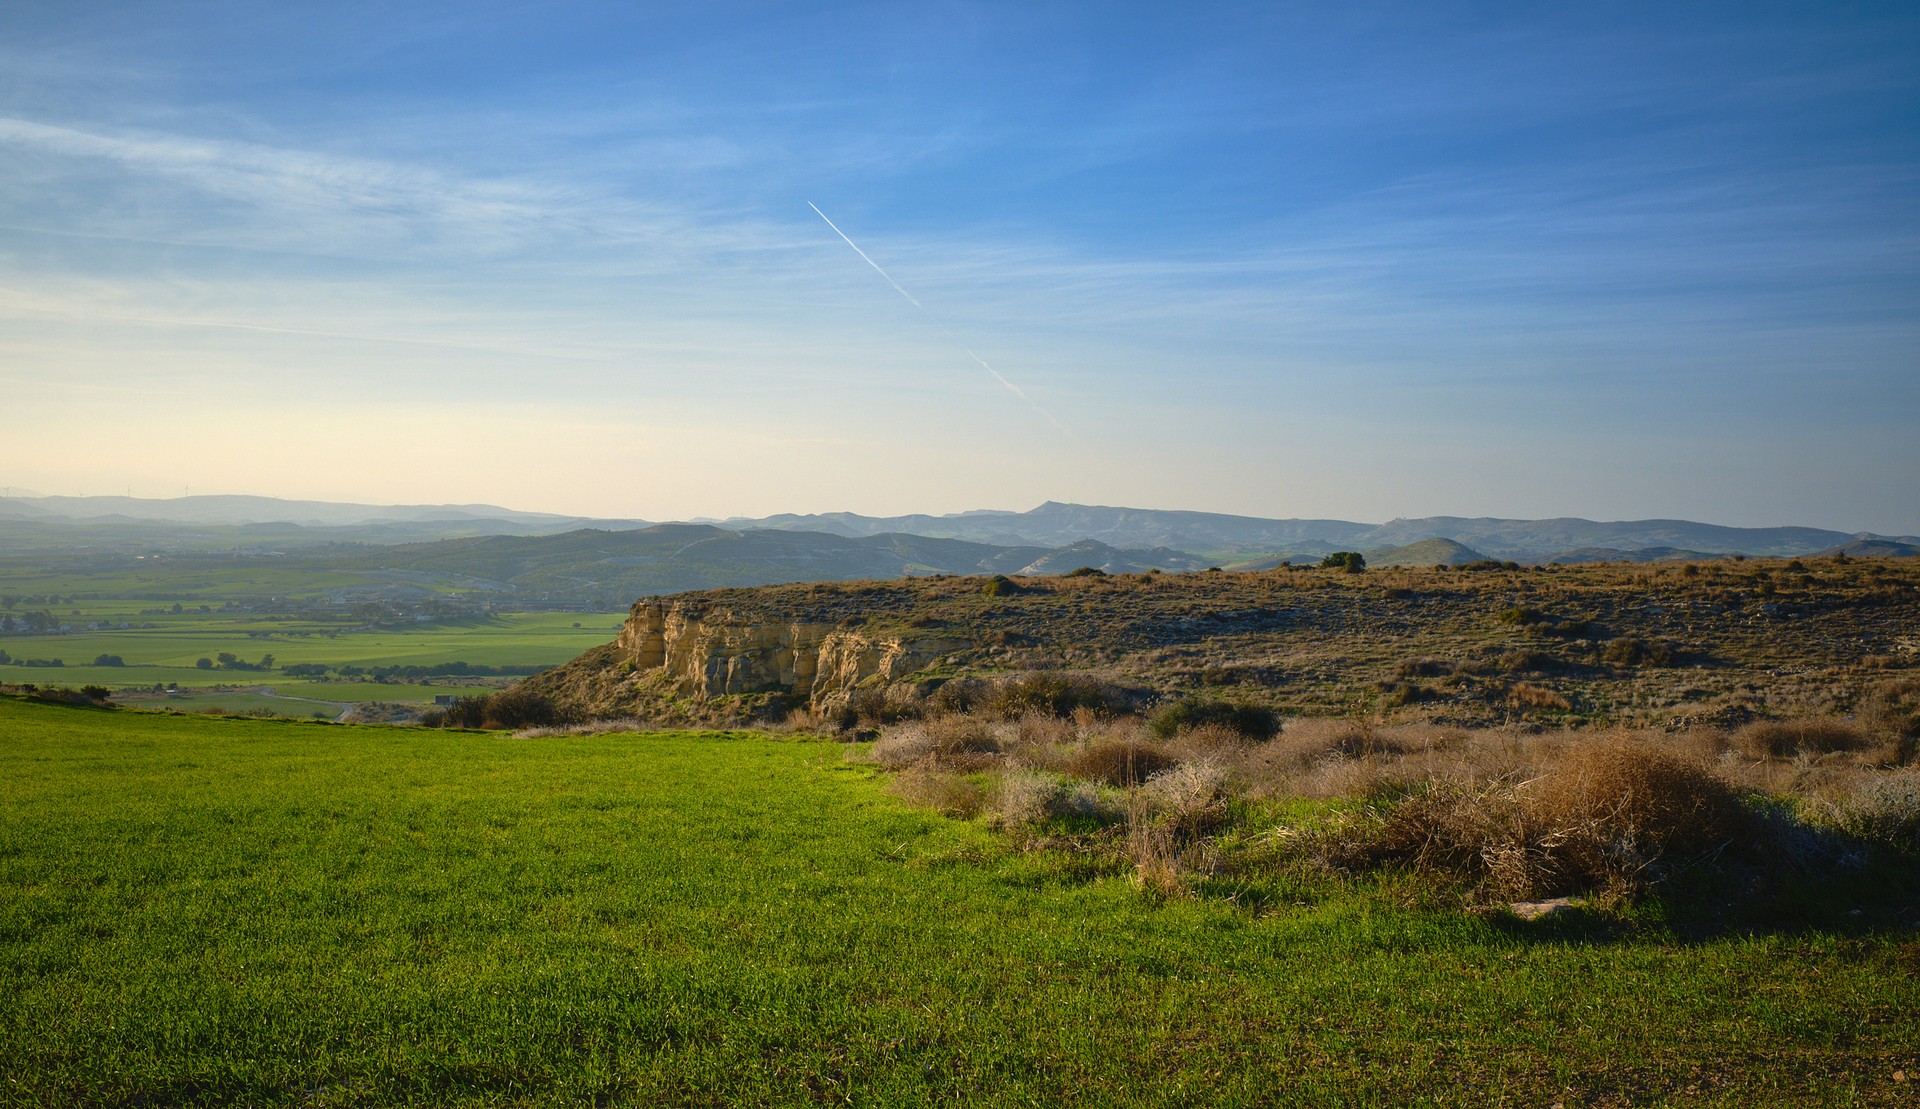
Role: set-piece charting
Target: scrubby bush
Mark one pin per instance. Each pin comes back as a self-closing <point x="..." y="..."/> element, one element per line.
<point x="1252" y="721"/>
<point x="1893" y="707"/>
<point x="1187" y="799"/>
<point x="1884" y="811"/>
<point x="1523" y="661"/>
<point x="464" y="712"/>
<point x="881" y="705"/>
<point x="1399" y="694"/>
<point x="1425" y="668"/>
<point x="1001" y="585"/>
<point x="1611" y="792"/>
<point x="1119" y="762"/>
<point x="1633" y="651"/>
<point x="1606" y="814"/>
<point x="1785" y="739"/>
<point x="1353" y="562"/>
<point x="960" y="695"/>
<point x="1527" y="695"/>
<point x="1056" y="693"/>
<point x="942" y="738"/>
<point x="1025" y="796"/>
<point x="508" y="709"/>
<point x="522" y="708"/>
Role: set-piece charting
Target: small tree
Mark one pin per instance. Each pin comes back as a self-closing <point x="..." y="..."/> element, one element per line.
<point x="1353" y="562"/>
<point x="203" y="663"/>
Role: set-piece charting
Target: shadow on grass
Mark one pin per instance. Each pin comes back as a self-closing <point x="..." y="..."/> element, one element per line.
<point x="1852" y="892"/>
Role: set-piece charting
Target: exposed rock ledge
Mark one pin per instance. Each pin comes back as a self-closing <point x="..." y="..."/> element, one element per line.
<point x="709" y="652"/>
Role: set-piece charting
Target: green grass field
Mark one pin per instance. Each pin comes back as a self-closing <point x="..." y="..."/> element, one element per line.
<point x="165" y="654"/>
<point x="205" y="911"/>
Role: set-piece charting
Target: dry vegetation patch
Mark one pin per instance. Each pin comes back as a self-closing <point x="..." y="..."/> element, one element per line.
<point x="1504" y="814"/>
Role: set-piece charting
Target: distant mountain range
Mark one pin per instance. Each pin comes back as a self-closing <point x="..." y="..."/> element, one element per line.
<point x="1215" y="535"/>
<point x="542" y="556"/>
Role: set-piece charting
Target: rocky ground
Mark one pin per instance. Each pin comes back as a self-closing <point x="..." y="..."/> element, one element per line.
<point x="1715" y="642"/>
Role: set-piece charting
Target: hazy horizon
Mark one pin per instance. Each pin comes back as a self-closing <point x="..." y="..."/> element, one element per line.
<point x="1385" y="261"/>
<point x="28" y="494"/>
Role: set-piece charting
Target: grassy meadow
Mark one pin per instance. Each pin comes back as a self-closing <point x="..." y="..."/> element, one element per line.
<point x="165" y="654"/>
<point x="216" y="911"/>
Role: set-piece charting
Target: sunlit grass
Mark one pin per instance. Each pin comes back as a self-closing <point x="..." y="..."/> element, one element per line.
<point x="199" y="911"/>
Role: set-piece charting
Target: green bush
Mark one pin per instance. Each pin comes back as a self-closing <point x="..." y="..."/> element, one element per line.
<point x="1353" y="562"/>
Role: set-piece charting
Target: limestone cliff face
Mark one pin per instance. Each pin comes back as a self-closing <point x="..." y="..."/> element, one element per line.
<point x="708" y="652"/>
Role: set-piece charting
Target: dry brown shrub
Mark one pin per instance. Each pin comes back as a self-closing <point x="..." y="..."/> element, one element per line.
<point x="1614" y="806"/>
<point x="1481" y="832"/>
<point x="1893" y="707"/>
<point x="1529" y="695"/>
<point x="1209" y="739"/>
<point x="1038" y="730"/>
<point x="1604" y="813"/>
<point x="926" y="787"/>
<point x="1188" y="799"/>
<point x="1884" y="810"/>
<point x="1023" y="797"/>
<point x="1119" y="762"/>
<point x="1784" y="739"/>
<point x="1303" y="742"/>
<point x="950" y="739"/>
<point x="885" y="704"/>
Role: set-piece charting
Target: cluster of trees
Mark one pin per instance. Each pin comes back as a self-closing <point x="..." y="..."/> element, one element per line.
<point x="37" y="622"/>
<point x="408" y="673"/>
<point x="10" y="601"/>
<point x="227" y="660"/>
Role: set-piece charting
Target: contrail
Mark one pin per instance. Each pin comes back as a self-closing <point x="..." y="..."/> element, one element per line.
<point x="867" y="260"/>
<point x="944" y="330"/>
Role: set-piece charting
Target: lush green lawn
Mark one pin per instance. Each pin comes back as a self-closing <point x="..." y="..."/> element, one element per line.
<point x="222" y="911"/>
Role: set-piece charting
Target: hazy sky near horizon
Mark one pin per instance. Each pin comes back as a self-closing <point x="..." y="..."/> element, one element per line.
<point x="1356" y="261"/>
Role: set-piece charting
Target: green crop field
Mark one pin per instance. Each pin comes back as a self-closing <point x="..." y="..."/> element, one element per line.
<point x="201" y="911"/>
<point x="165" y="654"/>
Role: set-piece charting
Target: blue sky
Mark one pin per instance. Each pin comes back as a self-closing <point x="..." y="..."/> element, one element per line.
<point x="1360" y="261"/>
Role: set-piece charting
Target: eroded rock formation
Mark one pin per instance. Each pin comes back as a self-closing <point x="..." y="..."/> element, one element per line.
<point x="709" y="652"/>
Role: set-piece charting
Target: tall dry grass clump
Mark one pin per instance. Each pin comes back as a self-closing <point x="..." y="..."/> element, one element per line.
<point x="929" y="787"/>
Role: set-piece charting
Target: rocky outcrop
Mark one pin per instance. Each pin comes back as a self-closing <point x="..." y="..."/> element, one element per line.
<point x="709" y="652"/>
